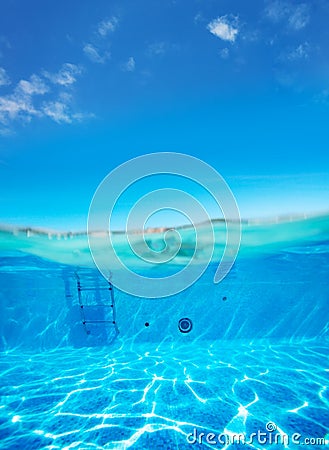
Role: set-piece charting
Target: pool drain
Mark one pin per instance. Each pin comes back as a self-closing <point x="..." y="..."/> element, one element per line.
<point x="185" y="325"/>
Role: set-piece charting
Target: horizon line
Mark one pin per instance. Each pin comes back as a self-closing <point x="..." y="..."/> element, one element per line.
<point x="32" y="230"/>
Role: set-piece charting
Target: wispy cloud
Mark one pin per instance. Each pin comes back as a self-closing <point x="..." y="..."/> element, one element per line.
<point x="60" y="110"/>
<point x="66" y="76"/>
<point x="97" y="49"/>
<point x="302" y="51"/>
<point x="35" y="86"/>
<point x="4" y="78"/>
<point x="224" y="53"/>
<point x="295" y="16"/>
<point x="19" y="104"/>
<point x="94" y="54"/>
<point x="277" y="10"/>
<point x="15" y="106"/>
<point x="198" y="18"/>
<point x="34" y="98"/>
<point x="129" y="66"/>
<point x="299" y="17"/>
<point x="160" y="48"/>
<point x="157" y="48"/>
<point x="107" y="26"/>
<point x="224" y="27"/>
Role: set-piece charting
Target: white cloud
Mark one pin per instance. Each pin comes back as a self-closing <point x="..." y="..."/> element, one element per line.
<point x="19" y="104"/>
<point x="16" y="105"/>
<point x="23" y="103"/>
<point x="35" y="86"/>
<point x="224" y="27"/>
<point x="129" y="66"/>
<point x="66" y="76"/>
<point x="296" y="16"/>
<point x="107" y="26"/>
<point x="94" y="54"/>
<point x="57" y="111"/>
<point x="4" y="78"/>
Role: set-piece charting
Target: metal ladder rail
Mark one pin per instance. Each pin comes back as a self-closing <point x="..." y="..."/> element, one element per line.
<point x="112" y="305"/>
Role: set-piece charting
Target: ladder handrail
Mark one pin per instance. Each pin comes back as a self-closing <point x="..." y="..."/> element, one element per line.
<point x="97" y="288"/>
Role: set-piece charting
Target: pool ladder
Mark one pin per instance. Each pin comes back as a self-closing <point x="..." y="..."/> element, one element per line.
<point x="86" y="306"/>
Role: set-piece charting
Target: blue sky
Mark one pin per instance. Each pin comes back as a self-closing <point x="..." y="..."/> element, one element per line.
<point x="85" y="86"/>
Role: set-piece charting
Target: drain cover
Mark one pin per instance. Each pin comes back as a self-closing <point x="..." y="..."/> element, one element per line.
<point x="185" y="325"/>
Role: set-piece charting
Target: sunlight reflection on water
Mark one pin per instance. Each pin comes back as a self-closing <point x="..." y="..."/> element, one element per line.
<point x="154" y="396"/>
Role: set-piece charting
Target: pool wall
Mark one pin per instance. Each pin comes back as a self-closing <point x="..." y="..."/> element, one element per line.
<point x="282" y="296"/>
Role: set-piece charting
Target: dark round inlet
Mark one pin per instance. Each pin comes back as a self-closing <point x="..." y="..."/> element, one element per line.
<point x="185" y="325"/>
<point x="147" y="324"/>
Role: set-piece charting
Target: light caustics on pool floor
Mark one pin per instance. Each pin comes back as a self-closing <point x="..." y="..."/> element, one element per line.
<point x="153" y="399"/>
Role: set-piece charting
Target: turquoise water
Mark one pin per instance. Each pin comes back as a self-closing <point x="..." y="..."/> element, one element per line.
<point x="255" y="358"/>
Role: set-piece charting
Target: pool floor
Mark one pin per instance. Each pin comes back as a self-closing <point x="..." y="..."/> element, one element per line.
<point x="161" y="397"/>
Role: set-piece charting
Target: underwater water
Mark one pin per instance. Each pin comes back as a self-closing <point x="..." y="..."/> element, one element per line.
<point x="84" y="365"/>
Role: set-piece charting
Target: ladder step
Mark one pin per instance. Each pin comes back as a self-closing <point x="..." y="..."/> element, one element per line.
<point x="97" y="321"/>
<point x="92" y="306"/>
<point x="94" y="288"/>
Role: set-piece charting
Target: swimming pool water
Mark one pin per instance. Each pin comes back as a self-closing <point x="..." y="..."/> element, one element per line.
<point x="257" y="355"/>
<point x="152" y="398"/>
